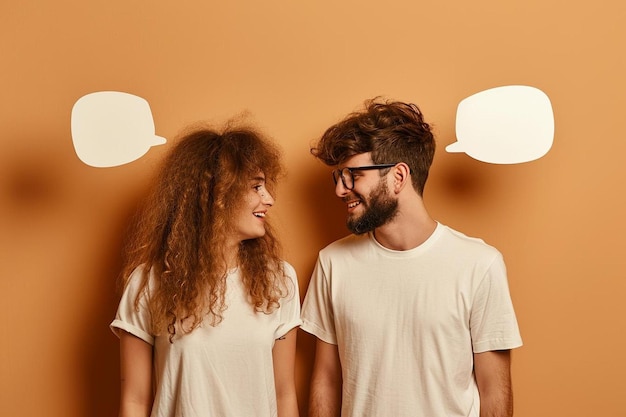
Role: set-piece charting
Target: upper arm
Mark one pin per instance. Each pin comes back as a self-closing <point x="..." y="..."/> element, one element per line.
<point x="493" y="377"/>
<point x="135" y="376"/>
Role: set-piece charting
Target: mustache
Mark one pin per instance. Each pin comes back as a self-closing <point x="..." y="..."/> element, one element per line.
<point x="351" y="197"/>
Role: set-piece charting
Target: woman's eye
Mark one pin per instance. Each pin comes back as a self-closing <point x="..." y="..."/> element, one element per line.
<point x="258" y="187"/>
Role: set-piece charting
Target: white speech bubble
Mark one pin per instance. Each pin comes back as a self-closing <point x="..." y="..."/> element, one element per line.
<point x="505" y="125"/>
<point x="111" y="128"/>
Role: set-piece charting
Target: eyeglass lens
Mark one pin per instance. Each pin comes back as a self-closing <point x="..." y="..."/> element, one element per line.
<point x="346" y="177"/>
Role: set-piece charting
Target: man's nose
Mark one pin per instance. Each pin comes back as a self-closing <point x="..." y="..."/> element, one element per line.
<point x="340" y="189"/>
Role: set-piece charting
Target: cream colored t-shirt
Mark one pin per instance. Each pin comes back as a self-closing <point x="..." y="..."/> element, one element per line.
<point x="217" y="371"/>
<point x="408" y="322"/>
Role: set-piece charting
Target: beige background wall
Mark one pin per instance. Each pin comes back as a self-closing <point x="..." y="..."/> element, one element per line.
<point x="297" y="67"/>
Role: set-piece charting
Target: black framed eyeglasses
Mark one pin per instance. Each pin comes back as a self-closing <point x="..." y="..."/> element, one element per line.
<point x="347" y="177"/>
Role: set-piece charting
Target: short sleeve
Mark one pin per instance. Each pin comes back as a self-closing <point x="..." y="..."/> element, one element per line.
<point x="317" y="311"/>
<point x="289" y="310"/>
<point x="493" y="323"/>
<point x="127" y="318"/>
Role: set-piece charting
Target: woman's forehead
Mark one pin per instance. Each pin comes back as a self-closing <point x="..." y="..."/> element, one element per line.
<point x="258" y="175"/>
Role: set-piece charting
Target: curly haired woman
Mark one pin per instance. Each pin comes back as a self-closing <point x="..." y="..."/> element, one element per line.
<point x="207" y="321"/>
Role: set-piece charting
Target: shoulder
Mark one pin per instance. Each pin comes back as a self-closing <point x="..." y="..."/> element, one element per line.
<point x="346" y="244"/>
<point x="137" y="278"/>
<point x="460" y="238"/>
<point x="461" y="243"/>
<point x="289" y="271"/>
<point x="292" y="276"/>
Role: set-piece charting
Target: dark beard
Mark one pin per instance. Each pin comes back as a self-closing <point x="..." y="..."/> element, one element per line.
<point x="380" y="210"/>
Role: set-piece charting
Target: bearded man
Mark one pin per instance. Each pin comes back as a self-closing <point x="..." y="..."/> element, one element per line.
<point x="412" y="318"/>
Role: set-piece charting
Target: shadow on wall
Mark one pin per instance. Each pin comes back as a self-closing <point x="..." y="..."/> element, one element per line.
<point x="100" y="352"/>
<point x="321" y="221"/>
<point x="460" y="177"/>
<point x="461" y="190"/>
<point x="61" y="235"/>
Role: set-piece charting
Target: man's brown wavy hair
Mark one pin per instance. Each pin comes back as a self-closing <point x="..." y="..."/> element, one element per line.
<point x="392" y="131"/>
<point x="180" y="232"/>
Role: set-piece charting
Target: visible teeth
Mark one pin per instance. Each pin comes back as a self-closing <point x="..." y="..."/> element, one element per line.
<point x="353" y="204"/>
<point x="259" y="214"/>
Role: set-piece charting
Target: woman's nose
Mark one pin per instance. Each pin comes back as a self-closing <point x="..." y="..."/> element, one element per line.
<point x="267" y="198"/>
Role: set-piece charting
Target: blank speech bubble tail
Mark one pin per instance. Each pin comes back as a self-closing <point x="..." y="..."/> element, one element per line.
<point x="158" y="140"/>
<point x="456" y="147"/>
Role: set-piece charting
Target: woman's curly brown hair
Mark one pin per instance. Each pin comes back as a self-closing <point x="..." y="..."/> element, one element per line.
<point x="179" y="234"/>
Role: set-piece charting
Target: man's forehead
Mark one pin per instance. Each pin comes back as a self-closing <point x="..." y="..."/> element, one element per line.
<point x="361" y="159"/>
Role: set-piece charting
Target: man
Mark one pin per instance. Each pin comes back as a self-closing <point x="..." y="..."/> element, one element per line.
<point x="411" y="317"/>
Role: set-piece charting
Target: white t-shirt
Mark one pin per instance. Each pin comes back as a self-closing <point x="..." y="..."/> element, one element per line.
<point x="226" y="370"/>
<point x="408" y="322"/>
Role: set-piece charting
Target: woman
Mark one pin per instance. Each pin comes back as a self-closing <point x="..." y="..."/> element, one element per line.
<point x="207" y="322"/>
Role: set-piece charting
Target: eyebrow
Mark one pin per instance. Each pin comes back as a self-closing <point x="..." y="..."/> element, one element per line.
<point x="355" y="169"/>
<point x="258" y="178"/>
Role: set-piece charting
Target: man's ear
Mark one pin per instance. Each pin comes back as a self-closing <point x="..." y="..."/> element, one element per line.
<point x="401" y="176"/>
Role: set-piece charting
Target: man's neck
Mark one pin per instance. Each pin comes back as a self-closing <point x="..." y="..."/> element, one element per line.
<point x="411" y="227"/>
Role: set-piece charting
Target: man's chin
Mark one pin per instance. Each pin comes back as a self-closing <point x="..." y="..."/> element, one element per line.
<point x="357" y="228"/>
